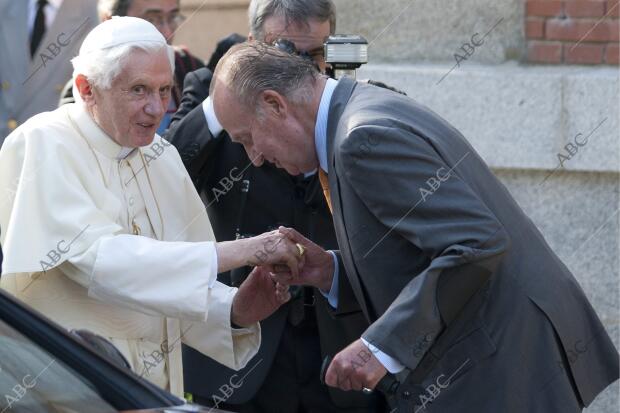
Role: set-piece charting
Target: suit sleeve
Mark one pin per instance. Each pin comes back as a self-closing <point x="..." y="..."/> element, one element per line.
<point x="189" y="131"/>
<point x="431" y="206"/>
<point x="347" y="303"/>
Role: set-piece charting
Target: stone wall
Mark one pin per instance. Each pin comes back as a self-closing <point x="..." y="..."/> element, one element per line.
<point x="434" y="30"/>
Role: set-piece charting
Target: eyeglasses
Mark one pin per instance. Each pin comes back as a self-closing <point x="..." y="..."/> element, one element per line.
<point x="289" y="47"/>
<point x="173" y="20"/>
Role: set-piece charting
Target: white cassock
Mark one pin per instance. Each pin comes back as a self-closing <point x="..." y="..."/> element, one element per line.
<point x="71" y="202"/>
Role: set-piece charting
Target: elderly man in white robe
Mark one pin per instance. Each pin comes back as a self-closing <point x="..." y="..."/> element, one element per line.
<point x="103" y="230"/>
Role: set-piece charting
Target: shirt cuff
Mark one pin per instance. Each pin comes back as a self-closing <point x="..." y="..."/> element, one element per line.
<point x="214" y="125"/>
<point x="391" y="364"/>
<point x="332" y="296"/>
<point x="212" y="253"/>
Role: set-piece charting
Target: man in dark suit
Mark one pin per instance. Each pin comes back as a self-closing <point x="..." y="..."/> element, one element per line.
<point x="242" y="200"/>
<point x="470" y="309"/>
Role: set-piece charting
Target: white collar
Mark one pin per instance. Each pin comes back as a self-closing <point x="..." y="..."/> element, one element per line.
<point x="93" y="133"/>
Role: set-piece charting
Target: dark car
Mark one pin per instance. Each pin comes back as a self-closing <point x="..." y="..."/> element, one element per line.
<point x="45" y="368"/>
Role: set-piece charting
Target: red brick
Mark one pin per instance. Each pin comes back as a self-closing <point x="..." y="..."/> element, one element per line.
<point x="612" y="54"/>
<point x="592" y="30"/>
<point x="544" y="52"/>
<point x="613" y="8"/>
<point x="562" y="29"/>
<point x="535" y="27"/>
<point x="583" y="53"/>
<point x="605" y="30"/>
<point x="584" y="8"/>
<point x="549" y="8"/>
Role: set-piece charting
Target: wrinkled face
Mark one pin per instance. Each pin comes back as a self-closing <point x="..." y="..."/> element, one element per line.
<point x="308" y="38"/>
<point x="277" y="136"/>
<point x="163" y="14"/>
<point x="131" y="110"/>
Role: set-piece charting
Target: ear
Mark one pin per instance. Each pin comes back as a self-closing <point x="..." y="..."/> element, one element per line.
<point x="273" y="103"/>
<point x="85" y="89"/>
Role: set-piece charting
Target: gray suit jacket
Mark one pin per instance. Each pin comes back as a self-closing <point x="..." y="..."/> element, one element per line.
<point x="458" y="283"/>
<point x="30" y="86"/>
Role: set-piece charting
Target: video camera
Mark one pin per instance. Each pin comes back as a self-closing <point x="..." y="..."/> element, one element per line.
<point x="344" y="53"/>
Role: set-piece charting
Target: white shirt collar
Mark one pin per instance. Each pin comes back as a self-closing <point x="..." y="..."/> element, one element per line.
<point x="97" y="138"/>
<point x="124" y="152"/>
<point x="322" y="117"/>
<point x="51" y="11"/>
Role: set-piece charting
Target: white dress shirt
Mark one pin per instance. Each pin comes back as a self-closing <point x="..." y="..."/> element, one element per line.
<point x="50" y="10"/>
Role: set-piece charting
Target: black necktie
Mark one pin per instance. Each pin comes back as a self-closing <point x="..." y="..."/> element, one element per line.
<point x="39" y="27"/>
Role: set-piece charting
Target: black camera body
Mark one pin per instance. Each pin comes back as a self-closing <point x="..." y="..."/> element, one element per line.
<point x="344" y="53"/>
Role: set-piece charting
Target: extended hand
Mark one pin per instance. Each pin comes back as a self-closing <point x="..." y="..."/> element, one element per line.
<point x="257" y="298"/>
<point x="355" y="368"/>
<point x="269" y="248"/>
<point x="276" y="248"/>
<point x="318" y="267"/>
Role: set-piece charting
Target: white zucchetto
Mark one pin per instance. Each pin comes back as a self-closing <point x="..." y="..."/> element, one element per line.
<point x="118" y="31"/>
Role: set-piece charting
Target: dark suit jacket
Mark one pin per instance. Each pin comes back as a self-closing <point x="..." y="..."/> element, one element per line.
<point x="452" y="274"/>
<point x="274" y="198"/>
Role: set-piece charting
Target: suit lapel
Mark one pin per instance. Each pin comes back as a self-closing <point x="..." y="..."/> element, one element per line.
<point x="339" y="101"/>
<point x="62" y="38"/>
<point x="67" y="20"/>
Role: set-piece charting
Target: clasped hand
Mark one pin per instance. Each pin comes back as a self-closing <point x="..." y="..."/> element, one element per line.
<point x="318" y="267"/>
<point x="260" y="295"/>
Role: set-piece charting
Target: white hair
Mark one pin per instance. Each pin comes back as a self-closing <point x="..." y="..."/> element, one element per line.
<point x="101" y="67"/>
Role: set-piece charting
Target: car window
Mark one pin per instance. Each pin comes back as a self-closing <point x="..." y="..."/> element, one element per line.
<point x="32" y="381"/>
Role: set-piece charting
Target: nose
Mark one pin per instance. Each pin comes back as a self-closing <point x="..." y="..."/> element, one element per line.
<point x="155" y="106"/>
<point x="167" y="31"/>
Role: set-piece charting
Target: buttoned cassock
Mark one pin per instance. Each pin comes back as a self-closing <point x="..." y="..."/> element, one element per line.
<point x="71" y="202"/>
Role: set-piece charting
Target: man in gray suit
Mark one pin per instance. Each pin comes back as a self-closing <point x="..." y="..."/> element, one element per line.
<point x="38" y="39"/>
<point x="470" y="309"/>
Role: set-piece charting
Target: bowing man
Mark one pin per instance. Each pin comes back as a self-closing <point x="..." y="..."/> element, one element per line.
<point x="470" y="309"/>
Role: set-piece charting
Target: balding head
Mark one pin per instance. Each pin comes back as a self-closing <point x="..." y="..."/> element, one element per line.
<point x="251" y="68"/>
<point x="267" y="100"/>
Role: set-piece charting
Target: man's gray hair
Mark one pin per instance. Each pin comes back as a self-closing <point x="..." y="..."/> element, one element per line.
<point x="103" y="66"/>
<point x="293" y="11"/>
<point x="250" y="68"/>
<point x="109" y="8"/>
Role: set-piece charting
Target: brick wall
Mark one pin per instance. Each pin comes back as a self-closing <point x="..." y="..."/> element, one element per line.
<point x="572" y="31"/>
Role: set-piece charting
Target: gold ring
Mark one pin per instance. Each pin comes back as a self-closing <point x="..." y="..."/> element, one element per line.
<point x="301" y="249"/>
